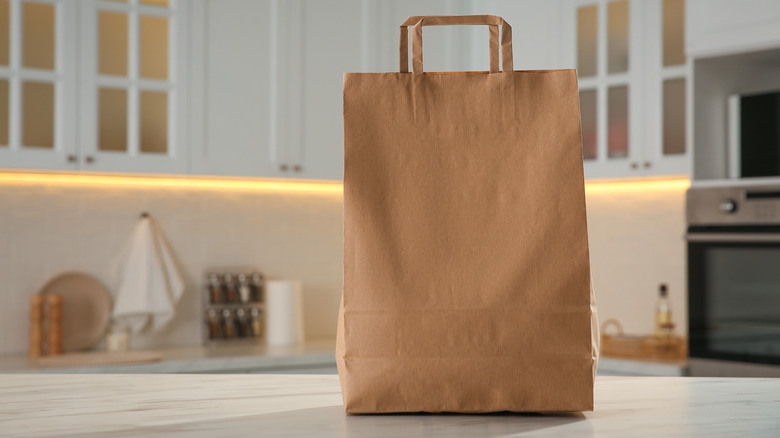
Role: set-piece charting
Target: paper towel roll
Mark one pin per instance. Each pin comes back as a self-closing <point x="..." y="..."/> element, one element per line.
<point x="284" y="312"/>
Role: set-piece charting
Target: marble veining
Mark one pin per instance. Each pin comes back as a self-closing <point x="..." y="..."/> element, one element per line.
<point x="222" y="359"/>
<point x="309" y="405"/>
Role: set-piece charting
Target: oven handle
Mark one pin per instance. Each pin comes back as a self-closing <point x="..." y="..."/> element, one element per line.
<point x="732" y="237"/>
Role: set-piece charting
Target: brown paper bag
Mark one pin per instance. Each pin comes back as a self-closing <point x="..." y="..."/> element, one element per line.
<point x="466" y="271"/>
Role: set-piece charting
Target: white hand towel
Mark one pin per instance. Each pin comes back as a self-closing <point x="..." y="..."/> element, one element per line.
<point x="150" y="284"/>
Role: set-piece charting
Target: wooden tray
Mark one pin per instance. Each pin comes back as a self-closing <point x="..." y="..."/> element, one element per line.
<point x="98" y="359"/>
<point x="641" y="347"/>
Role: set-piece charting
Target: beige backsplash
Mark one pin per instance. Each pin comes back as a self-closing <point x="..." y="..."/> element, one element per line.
<point x="45" y="229"/>
<point x="49" y="229"/>
<point x="636" y="242"/>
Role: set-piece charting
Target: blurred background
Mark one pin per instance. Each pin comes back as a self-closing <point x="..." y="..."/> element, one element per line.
<point x="223" y="120"/>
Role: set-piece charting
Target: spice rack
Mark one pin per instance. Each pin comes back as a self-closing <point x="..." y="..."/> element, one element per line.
<point x="234" y="307"/>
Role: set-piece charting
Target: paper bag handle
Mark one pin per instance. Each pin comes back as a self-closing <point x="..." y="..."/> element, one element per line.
<point x="418" y="22"/>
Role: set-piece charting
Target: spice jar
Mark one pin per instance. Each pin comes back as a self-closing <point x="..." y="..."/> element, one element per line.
<point x="231" y="295"/>
<point x="242" y="322"/>
<point x="214" y="324"/>
<point x="256" y="286"/>
<point x="244" y="291"/>
<point x="257" y="322"/>
<point x="228" y="324"/>
<point x="215" y="289"/>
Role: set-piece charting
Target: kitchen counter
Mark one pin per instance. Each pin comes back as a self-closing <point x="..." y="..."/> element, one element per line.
<point x="314" y="357"/>
<point x="244" y="358"/>
<point x="617" y="366"/>
<point x="308" y="405"/>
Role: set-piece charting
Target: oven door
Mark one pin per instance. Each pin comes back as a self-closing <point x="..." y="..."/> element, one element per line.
<point x="734" y="298"/>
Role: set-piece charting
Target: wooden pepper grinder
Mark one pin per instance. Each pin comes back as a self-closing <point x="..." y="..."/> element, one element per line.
<point x="54" y="317"/>
<point x="36" y="326"/>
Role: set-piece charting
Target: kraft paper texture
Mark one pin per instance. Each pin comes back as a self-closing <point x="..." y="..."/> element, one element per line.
<point x="466" y="272"/>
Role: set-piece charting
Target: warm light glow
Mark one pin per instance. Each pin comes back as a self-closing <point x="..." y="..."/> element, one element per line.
<point x="63" y="179"/>
<point x="647" y="185"/>
<point x="281" y="186"/>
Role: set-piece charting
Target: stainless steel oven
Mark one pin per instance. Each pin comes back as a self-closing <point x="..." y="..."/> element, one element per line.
<point x="734" y="281"/>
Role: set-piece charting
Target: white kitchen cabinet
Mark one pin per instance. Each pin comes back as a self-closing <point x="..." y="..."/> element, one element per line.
<point x="252" y="88"/>
<point x="634" y="85"/>
<point x="133" y="96"/>
<point x="535" y="33"/>
<point x="267" y="86"/>
<point x="231" y="87"/>
<point x="350" y="36"/>
<point x="331" y="36"/>
<point x="37" y="85"/>
<point x="267" y="77"/>
<point x="127" y="61"/>
<point x="727" y="27"/>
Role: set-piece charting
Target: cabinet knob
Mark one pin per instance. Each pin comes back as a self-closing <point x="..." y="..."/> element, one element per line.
<point x="634" y="166"/>
<point x="90" y="159"/>
<point x="71" y="158"/>
<point x="648" y="164"/>
<point x="283" y="168"/>
<point x="297" y="168"/>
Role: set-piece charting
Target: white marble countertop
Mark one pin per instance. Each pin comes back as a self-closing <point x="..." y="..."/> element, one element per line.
<point x="243" y="358"/>
<point x="219" y="359"/>
<point x="616" y="366"/>
<point x="308" y="405"/>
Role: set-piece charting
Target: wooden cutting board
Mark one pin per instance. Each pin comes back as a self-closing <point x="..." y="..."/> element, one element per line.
<point x="86" y="309"/>
<point x="99" y="359"/>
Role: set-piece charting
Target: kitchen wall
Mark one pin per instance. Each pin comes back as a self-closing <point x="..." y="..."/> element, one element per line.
<point x="45" y="229"/>
<point x="636" y="242"/>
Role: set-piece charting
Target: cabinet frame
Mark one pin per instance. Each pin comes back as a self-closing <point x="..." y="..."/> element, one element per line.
<point x="645" y="79"/>
<point x="175" y="159"/>
<point x="64" y="78"/>
<point x="76" y="79"/>
<point x="714" y="29"/>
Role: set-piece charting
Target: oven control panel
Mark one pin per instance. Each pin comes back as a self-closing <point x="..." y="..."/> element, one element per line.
<point x="755" y="205"/>
<point x="728" y="206"/>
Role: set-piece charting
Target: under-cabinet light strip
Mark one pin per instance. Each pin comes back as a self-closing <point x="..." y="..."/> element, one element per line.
<point x="286" y="186"/>
<point x="16" y="178"/>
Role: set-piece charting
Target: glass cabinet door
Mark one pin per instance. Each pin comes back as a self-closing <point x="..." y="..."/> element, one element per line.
<point x="37" y="84"/>
<point x="668" y="149"/>
<point x="133" y="84"/>
<point x="605" y="68"/>
<point x="632" y="72"/>
<point x="39" y="46"/>
<point x="126" y="59"/>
